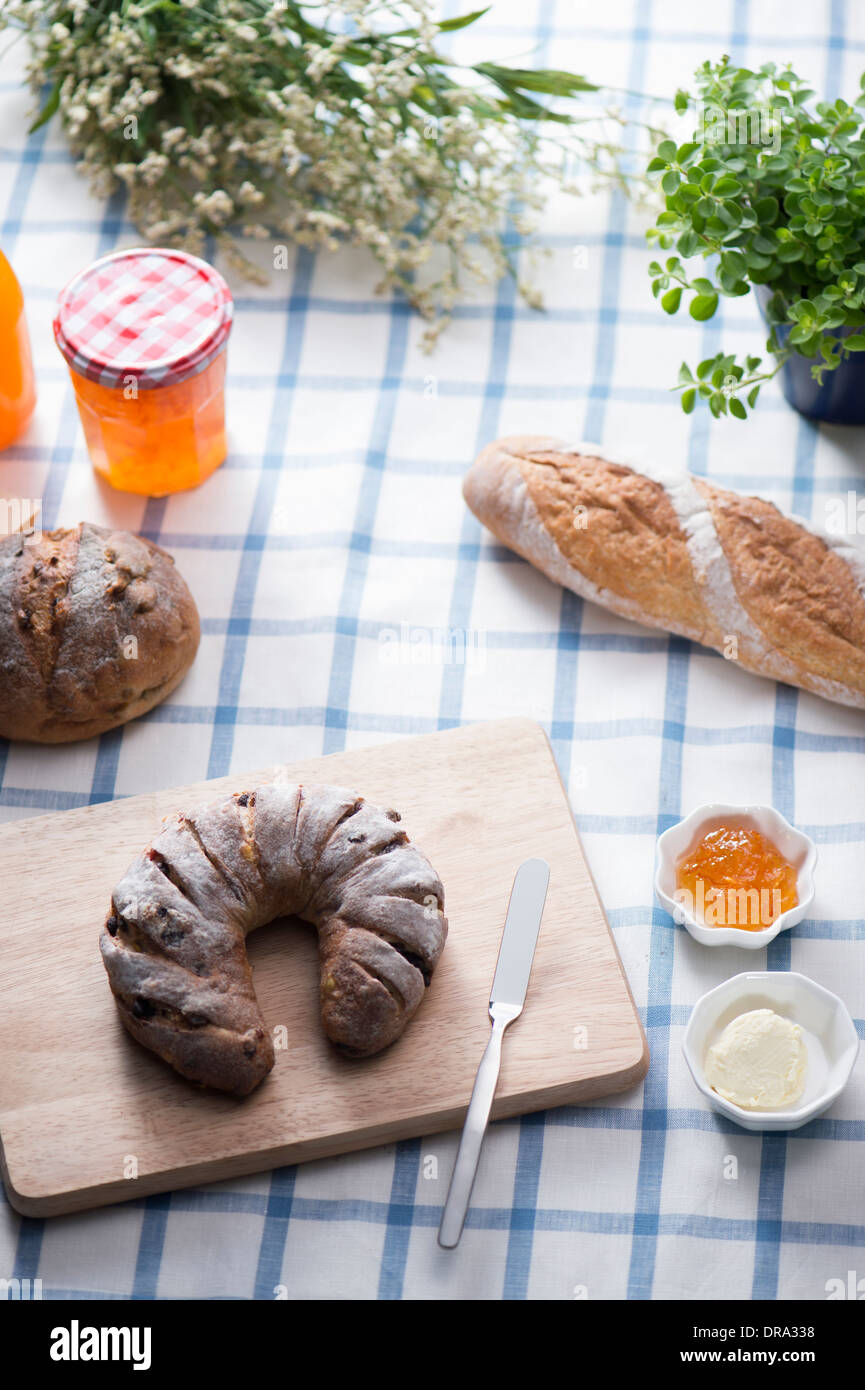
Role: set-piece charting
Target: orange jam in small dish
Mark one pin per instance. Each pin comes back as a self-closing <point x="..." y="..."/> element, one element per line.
<point x="736" y="877"/>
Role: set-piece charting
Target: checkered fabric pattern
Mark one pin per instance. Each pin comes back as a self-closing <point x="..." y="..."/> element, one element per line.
<point x="158" y="314"/>
<point x="338" y="514"/>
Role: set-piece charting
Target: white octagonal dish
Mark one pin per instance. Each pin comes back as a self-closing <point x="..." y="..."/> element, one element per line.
<point x="830" y="1037"/>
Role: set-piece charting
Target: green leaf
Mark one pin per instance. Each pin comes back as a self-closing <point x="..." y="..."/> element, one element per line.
<point x="734" y="263"/>
<point x="790" y="251"/>
<point x="855" y="343"/>
<point x="685" y="374"/>
<point x="667" y="150"/>
<point x="688" y="400"/>
<point x="767" y="211"/>
<point x="447" y="26"/>
<point x="672" y="300"/>
<point x="49" y="109"/>
<point x="550" y="81"/>
<point x="811" y="346"/>
<point x="764" y="244"/>
<point x="727" y="187"/>
<point x="688" y="244"/>
<point x="737" y="408"/>
<point x="703" y="306"/>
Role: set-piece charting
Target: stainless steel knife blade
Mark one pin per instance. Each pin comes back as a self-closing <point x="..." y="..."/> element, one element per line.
<point x="520" y="935"/>
<point x="510" y="982"/>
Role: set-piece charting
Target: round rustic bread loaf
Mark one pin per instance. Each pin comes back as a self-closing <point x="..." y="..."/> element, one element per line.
<point x="174" y="943"/>
<point x="96" y="627"/>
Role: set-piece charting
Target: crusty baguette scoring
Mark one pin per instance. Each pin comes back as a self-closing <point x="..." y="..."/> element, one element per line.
<point x="678" y="552"/>
<point x="174" y="941"/>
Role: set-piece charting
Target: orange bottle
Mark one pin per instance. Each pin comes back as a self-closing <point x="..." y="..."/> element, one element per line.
<point x="17" y="392"/>
<point x="144" y="333"/>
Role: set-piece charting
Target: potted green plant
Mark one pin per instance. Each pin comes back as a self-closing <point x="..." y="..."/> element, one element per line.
<point x="771" y="191"/>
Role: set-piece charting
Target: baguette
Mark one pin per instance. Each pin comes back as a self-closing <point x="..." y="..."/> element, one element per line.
<point x="675" y="551"/>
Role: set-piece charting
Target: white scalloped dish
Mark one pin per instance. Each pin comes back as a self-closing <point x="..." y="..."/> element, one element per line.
<point x="797" y="848"/>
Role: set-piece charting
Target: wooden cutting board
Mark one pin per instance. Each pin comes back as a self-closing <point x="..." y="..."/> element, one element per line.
<point x="88" y="1117"/>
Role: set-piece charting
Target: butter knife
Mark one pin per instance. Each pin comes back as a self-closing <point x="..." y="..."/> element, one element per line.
<point x="507" y="997"/>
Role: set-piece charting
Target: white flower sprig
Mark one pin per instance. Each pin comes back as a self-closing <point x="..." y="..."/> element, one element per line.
<point x="318" y="123"/>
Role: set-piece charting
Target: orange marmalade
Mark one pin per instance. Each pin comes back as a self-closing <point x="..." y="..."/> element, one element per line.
<point x="144" y="333"/>
<point x="736" y="878"/>
<point x="157" y="441"/>
<point x="17" y="394"/>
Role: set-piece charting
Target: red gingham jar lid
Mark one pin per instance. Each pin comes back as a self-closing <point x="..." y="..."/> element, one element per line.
<point x="153" y="314"/>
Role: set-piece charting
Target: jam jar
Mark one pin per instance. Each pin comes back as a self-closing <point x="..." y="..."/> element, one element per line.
<point x="145" y="333"/>
<point x="17" y="393"/>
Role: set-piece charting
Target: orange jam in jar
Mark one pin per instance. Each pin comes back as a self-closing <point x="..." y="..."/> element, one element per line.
<point x="17" y="392"/>
<point x="735" y="877"/>
<point x="144" y="333"/>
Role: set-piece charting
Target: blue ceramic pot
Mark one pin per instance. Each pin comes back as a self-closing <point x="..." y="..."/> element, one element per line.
<point x="841" y="398"/>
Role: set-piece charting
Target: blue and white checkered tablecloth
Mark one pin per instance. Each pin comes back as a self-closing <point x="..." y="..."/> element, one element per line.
<point x="339" y="513"/>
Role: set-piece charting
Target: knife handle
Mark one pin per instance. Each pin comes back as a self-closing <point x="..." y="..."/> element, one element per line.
<point x="477" y="1118"/>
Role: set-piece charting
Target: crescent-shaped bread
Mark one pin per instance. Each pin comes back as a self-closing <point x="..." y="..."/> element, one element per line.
<point x="174" y="941"/>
